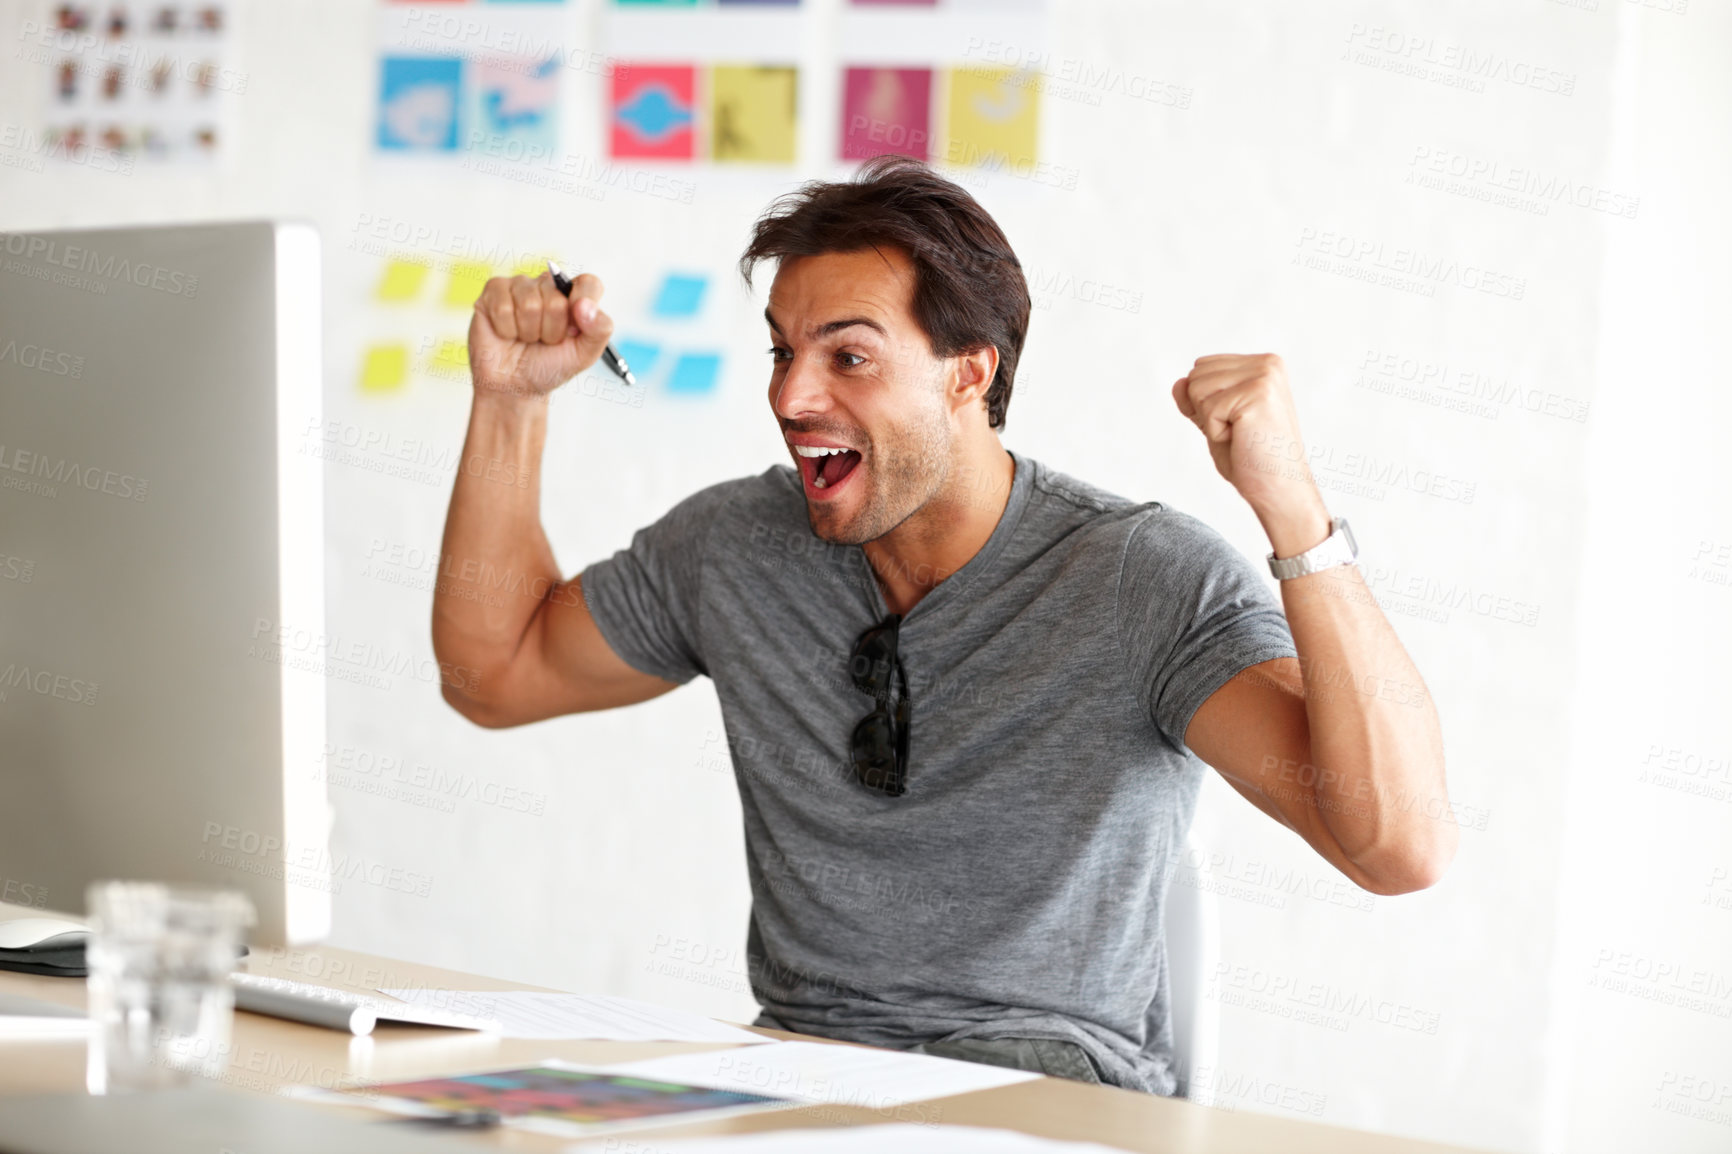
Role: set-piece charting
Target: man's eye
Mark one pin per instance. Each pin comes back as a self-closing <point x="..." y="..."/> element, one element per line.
<point x="777" y="353"/>
<point x="850" y="360"/>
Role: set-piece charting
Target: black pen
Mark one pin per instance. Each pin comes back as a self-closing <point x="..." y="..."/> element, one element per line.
<point x="608" y="357"/>
<point x="464" y="1118"/>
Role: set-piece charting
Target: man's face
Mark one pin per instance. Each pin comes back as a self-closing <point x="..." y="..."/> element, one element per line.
<point x="854" y="372"/>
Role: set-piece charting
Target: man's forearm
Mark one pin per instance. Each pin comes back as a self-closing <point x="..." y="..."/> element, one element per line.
<point x="496" y="568"/>
<point x="1376" y="772"/>
<point x="1371" y="792"/>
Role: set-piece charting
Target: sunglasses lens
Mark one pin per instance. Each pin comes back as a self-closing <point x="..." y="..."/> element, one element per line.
<point x="872" y="662"/>
<point x="874" y="752"/>
<point x="872" y="742"/>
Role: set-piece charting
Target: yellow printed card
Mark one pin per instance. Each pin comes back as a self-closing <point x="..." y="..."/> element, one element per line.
<point x="753" y="114"/>
<point x="994" y="118"/>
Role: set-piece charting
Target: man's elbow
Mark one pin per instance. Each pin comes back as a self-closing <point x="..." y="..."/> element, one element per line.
<point x="482" y="713"/>
<point x="1417" y="863"/>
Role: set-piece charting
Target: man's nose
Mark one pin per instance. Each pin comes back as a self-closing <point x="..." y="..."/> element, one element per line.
<point x="803" y="389"/>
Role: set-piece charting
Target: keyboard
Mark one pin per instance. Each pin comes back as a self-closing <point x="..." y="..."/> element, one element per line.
<point x="340" y="1009"/>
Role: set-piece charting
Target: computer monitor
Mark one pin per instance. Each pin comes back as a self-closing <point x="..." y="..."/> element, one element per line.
<point x="160" y="535"/>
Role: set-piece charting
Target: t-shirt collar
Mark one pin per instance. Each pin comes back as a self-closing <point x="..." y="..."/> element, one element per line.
<point x="1022" y="482"/>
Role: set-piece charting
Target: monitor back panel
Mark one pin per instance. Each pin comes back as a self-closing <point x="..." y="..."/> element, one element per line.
<point x="148" y="709"/>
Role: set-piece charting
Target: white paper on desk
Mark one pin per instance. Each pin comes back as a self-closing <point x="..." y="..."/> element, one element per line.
<point x="835" y="1075"/>
<point x="547" y="1016"/>
<point x="903" y="1139"/>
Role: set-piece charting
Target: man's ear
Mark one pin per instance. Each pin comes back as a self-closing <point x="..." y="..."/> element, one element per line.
<point x="973" y="375"/>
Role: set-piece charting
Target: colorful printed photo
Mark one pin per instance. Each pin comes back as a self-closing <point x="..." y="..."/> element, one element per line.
<point x="653" y="112"/>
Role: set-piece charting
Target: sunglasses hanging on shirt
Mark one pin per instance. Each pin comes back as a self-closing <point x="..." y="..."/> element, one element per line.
<point x="880" y="741"/>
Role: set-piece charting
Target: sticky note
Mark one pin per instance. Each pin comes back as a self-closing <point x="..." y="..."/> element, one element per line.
<point x="680" y="295"/>
<point x="994" y="117"/>
<point x="639" y="356"/>
<point x="385" y="368"/>
<point x="468" y="277"/>
<point x="451" y="358"/>
<point x="695" y="373"/>
<point x="752" y="111"/>
<point x="401" y="280"/>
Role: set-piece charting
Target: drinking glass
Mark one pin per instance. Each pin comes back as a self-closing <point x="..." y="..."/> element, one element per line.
<point x="161" y="1005"/>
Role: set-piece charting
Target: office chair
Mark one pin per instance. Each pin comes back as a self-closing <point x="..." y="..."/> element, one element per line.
<point x="1193" y="945"/>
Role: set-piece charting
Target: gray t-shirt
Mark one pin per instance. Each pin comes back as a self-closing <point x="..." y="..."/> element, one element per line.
<point x="1016" y="889"/>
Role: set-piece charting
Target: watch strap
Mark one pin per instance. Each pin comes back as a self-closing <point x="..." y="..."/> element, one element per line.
<point x="1339" y="548"/>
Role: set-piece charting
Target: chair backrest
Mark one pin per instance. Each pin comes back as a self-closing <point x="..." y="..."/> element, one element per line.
<point x="1193" y="945"/>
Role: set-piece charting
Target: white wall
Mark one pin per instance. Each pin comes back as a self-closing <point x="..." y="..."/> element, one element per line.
<point x="1477" y="1012"/>
<point x="1639" y="1048"/>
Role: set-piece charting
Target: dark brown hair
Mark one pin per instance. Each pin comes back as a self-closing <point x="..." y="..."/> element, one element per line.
<point x="969" y="291"/>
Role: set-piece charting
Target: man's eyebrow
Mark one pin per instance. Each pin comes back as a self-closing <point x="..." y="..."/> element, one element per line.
<point x="833" y="326"/>
<point x="838" y="326"/>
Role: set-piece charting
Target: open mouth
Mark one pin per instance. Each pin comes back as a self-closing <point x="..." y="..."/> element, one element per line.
<point x="823" y="468"/>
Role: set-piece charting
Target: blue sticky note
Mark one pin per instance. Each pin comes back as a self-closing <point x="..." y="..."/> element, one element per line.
<point x="680" y="295"/>
<point x="418" y="103"/>
<point x="695" y="373"/>
<point x="640" y="356"/>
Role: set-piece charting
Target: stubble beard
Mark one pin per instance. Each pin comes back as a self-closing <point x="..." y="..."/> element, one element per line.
<point x="905" y="476"/>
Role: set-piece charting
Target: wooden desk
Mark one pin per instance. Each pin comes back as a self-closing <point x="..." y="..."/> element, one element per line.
<point x="269" y="1053"/>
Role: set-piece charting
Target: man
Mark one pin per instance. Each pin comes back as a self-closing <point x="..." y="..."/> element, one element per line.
<point x="969" y="699"/>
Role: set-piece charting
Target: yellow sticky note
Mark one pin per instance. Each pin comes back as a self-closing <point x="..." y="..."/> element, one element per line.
<point x="451" y="358"/>
<point x="752" y="114"/>
<point x="994" y="118"/>
<point x="385" y="368"/>
<point x="468" y="277"/>
<point x="401" y="281"/>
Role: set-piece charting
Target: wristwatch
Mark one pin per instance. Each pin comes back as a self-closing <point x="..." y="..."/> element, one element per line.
<point x="1339" y="548"/>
